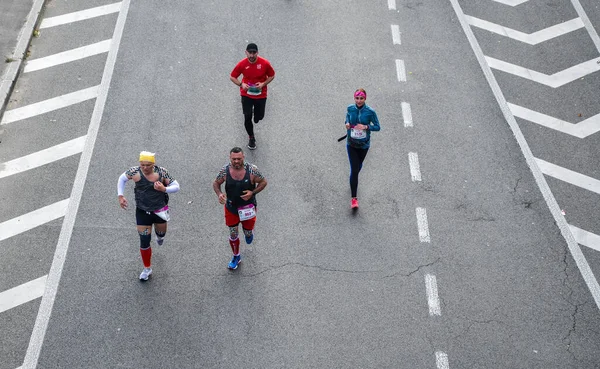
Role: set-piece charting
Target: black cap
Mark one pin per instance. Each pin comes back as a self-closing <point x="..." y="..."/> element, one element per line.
<point x="252" y="47"/>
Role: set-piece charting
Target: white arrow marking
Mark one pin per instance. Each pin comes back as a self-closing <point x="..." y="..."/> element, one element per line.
<point x="21" y="294"/>
<point x="80" y="15"/>
<point x="555" y="80"/>
<point x="33" y="219"/>
<point x="580" y="130"/>
<point x="511" y="2"/>
<point x="529" y="38"/>
<point x="586" y="238"/>
<point x="67" y="56"/>
<point x="569" y="176"/>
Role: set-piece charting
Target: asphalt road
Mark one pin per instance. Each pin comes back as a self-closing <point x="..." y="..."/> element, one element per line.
<point x="320" y="286"/>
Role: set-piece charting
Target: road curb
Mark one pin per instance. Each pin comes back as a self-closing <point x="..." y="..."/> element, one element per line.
<point x="23" y="40"/>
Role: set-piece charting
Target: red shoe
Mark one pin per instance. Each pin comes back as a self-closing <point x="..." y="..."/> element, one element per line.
<point x="354" y="203"/>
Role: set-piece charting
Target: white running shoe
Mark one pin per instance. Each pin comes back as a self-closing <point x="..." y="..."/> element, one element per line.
<point x="147" y="272"/>
<point x="160" y="240"/>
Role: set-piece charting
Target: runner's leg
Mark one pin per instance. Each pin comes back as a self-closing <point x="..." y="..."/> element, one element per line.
<point x="259" y="109"/>
<point x="247" y="104"/>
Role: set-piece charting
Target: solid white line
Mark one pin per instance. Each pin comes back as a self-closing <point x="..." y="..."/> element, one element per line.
<point x="415" y="170"/>
<point x="22" y="294"/>
<point x="555" y="80"/>
<point x="441" y="359"/>
<point x="586" y="238"/>
<point x="67" y="56"/>
<point x="580" y="260"/>
<point x="433" y="299"/>
<point x="41" y="323"/>
<point x="569" y="176"/>
<point x="392" y="4"/>
<point x="582" y="129"/>
<point x="42" y="157"/>
<point x="80" y="15"/>
<point x="407" y="114"/>
<point x="588" y="25"/>
<point x="396" y="34"/>
<point x="31" y="220"/>
<point x="400" y="70"/>
<point x="529" y="38"/>
<point x="423" y="225"/>
<point x="49" y="105"/>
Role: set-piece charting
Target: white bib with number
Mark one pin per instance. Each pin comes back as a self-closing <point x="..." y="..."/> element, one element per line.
<point x="358" y="133"/>
<point x="247" y="212"/>
<point x="253" y="90"/>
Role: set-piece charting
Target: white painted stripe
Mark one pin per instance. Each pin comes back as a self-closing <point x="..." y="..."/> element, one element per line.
<point x="21" y="294"/>
<point x="392" y="4"/>
<point x="441" y="360"/>
<point x="580" y="260"/>
<point x="588" y="25"/>
<point x="31" y="220"/>
<point x="569" y="176"/>
<point x="41" y="323"/>
<point x="42" y="157"/>
<point x="49" y="105"/>
<point x="407" y="114"/>
<point x="511" y="2"/>
<point x="529" y="38"/>
<point x="585" y="238"/>
<point x="423" y="225"/>
<point x="80" y="15"/>
<point x="582" y="129"/>
<point x="555" y="80"/>
<point x="432" y="295"/>
<point x="415" y="170"/>
<point x="396" y="34"/>
<point x="400" y="70"/>
<point x="67" y="56"/>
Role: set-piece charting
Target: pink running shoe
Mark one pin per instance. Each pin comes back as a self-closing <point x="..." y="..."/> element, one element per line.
<point x="354" y="203"/>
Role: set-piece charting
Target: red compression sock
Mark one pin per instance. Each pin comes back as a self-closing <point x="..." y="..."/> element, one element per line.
<point x="146" y="257"/>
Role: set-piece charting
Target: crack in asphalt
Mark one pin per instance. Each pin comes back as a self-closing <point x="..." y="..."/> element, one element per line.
<point x="413" y="271"/>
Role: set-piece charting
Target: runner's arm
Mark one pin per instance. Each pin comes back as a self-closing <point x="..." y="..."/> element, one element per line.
<point x="172" y="187"/>
<point x="121" y="183"/>
<point x="261" y="184"/>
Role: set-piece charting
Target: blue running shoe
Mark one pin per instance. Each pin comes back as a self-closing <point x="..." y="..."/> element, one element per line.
<point x="249" y="239"/>
<point x="235" y="261"/>
<point x="160" y="240"/>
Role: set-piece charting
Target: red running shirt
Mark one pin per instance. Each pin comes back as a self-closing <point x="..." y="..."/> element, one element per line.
<point x="253" y="73"/>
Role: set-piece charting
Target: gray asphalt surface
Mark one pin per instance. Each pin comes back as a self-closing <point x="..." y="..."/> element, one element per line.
<point x="319" y="287"/>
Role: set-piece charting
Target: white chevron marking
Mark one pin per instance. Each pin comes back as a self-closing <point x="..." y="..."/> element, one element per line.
<point x="585" y="238"/>
<point x="580" y="130"/>
<point x="511" y="2"/>
<point x="569" y="176"/>
<point x="529" y="38"/>
<point x="555" y="80"/>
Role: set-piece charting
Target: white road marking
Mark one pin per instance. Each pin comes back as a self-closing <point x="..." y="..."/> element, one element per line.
<point x="21" y="294"/>
<point x="582" y="129"/>
<point x="49" y="105"/>
<point x="569" y="176"/>
<point x="80" y="15"/>
<point x="511" y="2"/>
<point x="441" y="360"/>
<point x="580" y="260"/>
<point x="67" y="56"/>
<point x="31" y="220"/>
<point x="392" y="4"/>
<point x="433" y="299"/>
<point x="588" y="25"/>
<point x="396" y="34"/>
<point x="41" y="323"/>
<point x="415" y="170"/>
<point x="586" y="238"/>
<point x="42" y="157"/>
<point x="555" y="80"/>
<point x="407" y="114"/>
<point x="423" y="225"/>
<point x="529" y="38"/>
<point x="400" y="70"/>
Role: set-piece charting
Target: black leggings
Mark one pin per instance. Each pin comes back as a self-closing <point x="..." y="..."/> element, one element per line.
<point x="259" y="112"/>
<point x="356" y="157"/>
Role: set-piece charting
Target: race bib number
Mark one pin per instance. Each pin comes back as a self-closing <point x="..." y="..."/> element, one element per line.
<point x="247" y="212"/>
<point x="163" y="213"/>
<point x="253" y="90"/>
<point x="358" y="133"/>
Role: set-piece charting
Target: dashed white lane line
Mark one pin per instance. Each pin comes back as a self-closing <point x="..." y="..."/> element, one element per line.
<point x="569" y="176"/>
<point x="392" y="4"/>
<point x="396" y="34"/>
<point x="415" y="170"/>
<point x="21" y="294"/>
<point x="585" y="238"/>
<point x="80" y="15"/>
<point x="433" y="299"/>
<point x="407" y="114"/>
<point x="441" y="360"/>
<point x="49" y="105"/>
<point x="423" y="225"/>
<point x="42" y="157"/>
<point x="400" y="70"/>
<point x="36" y="218"/>
<point x="67" y="56"/>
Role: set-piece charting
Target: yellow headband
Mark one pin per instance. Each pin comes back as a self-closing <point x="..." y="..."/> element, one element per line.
<point x="147" y="156"/>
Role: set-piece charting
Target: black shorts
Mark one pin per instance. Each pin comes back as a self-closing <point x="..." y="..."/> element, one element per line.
<point x="147" y="218"/>
<point x="258" y="104"/>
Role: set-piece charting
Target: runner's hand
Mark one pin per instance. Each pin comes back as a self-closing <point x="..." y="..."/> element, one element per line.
<point x="347" y="125"/>
<point x="123" y="202"/>
<point x="244" y="86"/>
<point x="222" y="198"/>
<point x="247" y="195"/>
<point x="159" y="186"/>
